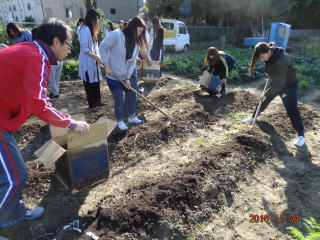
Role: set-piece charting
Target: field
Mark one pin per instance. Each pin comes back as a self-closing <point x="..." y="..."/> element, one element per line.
<point x="200" y="179"/>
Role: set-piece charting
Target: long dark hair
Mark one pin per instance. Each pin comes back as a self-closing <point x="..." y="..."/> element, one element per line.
<point x="13" y="27"/>
<point x="130" y="32"/>
<point x="124" y="24"/>
<point x="156" y="24"/>
<point x="111" y="26"/>
<point x="215" y="53"/>
<point x="260" y="48"/>
<point x="91" y="20"/>
<point x="81" y="20"/>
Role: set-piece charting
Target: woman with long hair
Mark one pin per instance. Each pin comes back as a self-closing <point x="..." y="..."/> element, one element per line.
<point x="156" y="52"/>
<point x="79" y="25"/>
<point x="119" y="51"/>
<point x="283" y="81"/>
<point x="109" y="28"/>
<point x="219" y="64"/>
<point x="89" y="58"/>
<point x="17" y="35"/>
<point x="122" y="24"/>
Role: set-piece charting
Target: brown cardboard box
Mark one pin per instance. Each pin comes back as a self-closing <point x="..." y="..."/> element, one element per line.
<point x="80" y="160"/>
<point x="149" y="73"/>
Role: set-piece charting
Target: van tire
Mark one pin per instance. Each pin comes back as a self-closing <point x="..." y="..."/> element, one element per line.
<point x="185" y="48"/>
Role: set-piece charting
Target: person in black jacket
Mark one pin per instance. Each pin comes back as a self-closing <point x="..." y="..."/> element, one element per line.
<point x="283" y="81"/>
<point x="157" y="46"/>
<point x="219" y="64"/>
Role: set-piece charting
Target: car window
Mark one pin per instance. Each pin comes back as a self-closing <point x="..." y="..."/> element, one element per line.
<point x="182" y="29"/>
<point x="169" y="26"/>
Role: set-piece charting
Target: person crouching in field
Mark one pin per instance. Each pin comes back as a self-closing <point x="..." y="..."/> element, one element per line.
<point x="22" y="93"/>
<point x="219" y="65"/>
<point x="119" y="51"/>
<point x="282" y="81"/>
<point x="17" y="35"/>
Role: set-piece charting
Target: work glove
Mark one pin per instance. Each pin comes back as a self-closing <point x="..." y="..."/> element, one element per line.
<point x="81" y="127"/>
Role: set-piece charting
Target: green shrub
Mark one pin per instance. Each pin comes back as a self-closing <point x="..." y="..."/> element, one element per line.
<point x="308" y="65"/>
<point x="312" y="227"/>
<point x="4" y="37"/>
<point x="70" y="69"/>
<point x="193" y="63"/>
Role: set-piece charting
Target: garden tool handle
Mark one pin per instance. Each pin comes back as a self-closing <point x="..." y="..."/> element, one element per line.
<point x="260" y="103"/>
<point x="151" y="103"/>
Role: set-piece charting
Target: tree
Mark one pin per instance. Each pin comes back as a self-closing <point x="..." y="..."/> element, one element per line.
<point x="254" y="14"/>
<point x="91" y="4"/>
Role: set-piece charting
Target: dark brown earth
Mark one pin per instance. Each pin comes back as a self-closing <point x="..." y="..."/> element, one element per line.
<point x="168" y="206"/>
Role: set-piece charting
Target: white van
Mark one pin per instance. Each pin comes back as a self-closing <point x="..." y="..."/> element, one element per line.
<point x="176" y="35"/>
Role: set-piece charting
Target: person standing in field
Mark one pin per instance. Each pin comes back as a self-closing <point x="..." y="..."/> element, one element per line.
<point x="89" y="58"/>
<point x="283" y="82"/>
<point x="79" y="25"/>
<point x="119" y="51"/>
<point x="109" y="28"/>
<point x="156" y="52"/>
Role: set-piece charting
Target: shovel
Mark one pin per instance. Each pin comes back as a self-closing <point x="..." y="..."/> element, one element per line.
<point x="151" y="103"/>
<point x="259" y="106"/>
<point x="140" y="95"/>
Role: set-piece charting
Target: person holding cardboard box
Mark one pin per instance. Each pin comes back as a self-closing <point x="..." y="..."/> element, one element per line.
<point x="22" y="93"/>
<point x="219" y="65"/>
<point x="119" y="51"/>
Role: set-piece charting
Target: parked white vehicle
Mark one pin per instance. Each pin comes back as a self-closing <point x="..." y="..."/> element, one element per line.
<point x="176" y="35"/>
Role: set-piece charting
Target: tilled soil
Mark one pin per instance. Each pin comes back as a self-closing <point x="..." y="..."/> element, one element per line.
<point x="160" y="203"/>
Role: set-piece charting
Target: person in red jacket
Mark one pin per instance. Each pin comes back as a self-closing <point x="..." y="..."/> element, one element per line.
<point x="24" y="74"/>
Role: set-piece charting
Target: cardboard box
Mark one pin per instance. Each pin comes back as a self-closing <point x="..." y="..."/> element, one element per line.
<point x="79" y="160"/>
<point x="149" y="73"/>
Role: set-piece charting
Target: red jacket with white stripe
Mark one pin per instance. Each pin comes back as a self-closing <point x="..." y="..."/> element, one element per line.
<point x="24" y="75"/>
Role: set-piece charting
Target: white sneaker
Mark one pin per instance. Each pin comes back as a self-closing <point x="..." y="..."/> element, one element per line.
<point x="122" y="126"/>
<point x="299" y="142"/>
<point x="248" y="120"/>
<point x="135" y="120"/>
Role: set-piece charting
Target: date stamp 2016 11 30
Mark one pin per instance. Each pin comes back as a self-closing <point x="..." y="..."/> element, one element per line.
<point x="266" y="218"/>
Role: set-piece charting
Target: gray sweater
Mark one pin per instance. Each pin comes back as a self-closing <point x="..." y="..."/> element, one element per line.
<point x="113" y="51"/>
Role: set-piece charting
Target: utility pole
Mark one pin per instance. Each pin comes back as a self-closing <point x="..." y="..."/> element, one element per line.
<point x="262" y="18"/>
<point x="42" y="10"/>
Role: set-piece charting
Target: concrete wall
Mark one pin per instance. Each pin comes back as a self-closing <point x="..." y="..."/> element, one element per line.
<point x="64" y="9"/>
<point x="124" y="9"/>
<point x="18" y="10"/>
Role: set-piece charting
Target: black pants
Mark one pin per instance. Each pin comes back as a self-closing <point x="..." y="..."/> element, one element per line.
<point x="290" y="101"/>
<point x="93" y="92"/>
<point x="223" y="87"/>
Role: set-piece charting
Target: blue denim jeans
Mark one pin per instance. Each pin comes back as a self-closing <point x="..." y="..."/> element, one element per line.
<point x="121" y="94"/>
<point x="13" y="175"/>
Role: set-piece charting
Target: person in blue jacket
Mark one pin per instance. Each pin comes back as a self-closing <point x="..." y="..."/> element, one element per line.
<point x="219" y="64"/>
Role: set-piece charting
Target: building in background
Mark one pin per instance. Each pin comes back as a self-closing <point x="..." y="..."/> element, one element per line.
<point x="18" y="10"/>
<point x="64" y="9"/>
<point x="120" y="9"/>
